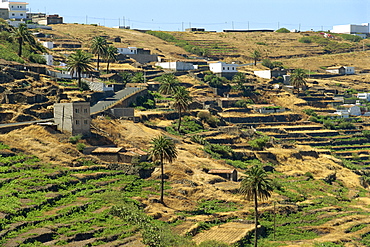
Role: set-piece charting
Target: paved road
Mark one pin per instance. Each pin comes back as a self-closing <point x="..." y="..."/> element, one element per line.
<point x="103" y="104"/>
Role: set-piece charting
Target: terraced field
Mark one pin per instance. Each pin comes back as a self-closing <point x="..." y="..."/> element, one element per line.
<point x="53" y="205"/>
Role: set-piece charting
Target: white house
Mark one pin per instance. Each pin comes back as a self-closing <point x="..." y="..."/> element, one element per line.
<point x="353" y="110"/>
<point x="341" y="70"/>
<point x="49" y="59"/>
<point x="221" y="67"/>
<point x="177" y="66"/>
<point x="17" y="10"/>
<point x="48" y="44"/>
<point x="352" y="29"/>
<point x="127" y="50"/>
<point x="365" y="96"/>
<point x="269" y="74"/>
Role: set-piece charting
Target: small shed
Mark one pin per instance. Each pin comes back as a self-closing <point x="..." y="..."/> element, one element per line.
<point x="109" y="154"/>
<point x="229" y="174"/>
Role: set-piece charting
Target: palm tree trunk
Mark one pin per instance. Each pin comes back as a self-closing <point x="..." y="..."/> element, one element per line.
<point x="107" y="66"/>
<point x="162" y="181"/>
<point x="178" y="127"/>
<point x="255" y="219"/>
<point x="98" y="62"/>
<point x="79" y="79"/>
<point x="20" y="42"/>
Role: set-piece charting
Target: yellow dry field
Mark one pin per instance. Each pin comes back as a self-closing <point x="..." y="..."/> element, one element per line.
<point x="228" y="233"/>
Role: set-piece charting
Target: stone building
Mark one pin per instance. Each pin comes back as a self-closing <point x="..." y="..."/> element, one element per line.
<point x="73" y="117"/>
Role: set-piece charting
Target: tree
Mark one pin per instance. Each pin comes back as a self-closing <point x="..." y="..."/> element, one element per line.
<point x="169" y="84"/>
<point x="256" y="55"/>
<point x="298" y="79"/>
<point x="110" y="55"/>
<point x="256" y="185"/>
<point x="78" y="63"/>
<point x="138" y="78"/>
<point x="181" y="103"/>
<point x="22" y="35"/>
<point x="99" y="47"/>
<point x="162" y="149"/>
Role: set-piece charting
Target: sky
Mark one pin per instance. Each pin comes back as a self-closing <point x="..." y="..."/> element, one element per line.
<point x="213" y="15"/>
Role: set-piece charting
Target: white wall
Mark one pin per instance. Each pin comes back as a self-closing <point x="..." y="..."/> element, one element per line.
<point x="351" y="28"/>
<point x="49" y="45"/>
<point x="127" y="51"/>
<point x="222" y="67"/>
<point x="263" y="74"/>
<point x="349" y="70"/>
<point x="177" y="66"/>
<point x="49" y="59"/>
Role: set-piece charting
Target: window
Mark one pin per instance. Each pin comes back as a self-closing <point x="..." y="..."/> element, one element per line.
<point x="233" y="68"/>
<point x="13" y="14"/>
<point x="85" y="110"/>
<point x="21" y="14"/>
<point x="85" y="122"/>
<point x="77" y="122"/>
<point x="77" y="110"/>
<point x="223" y="68"/>
<point x="228" y="68"/>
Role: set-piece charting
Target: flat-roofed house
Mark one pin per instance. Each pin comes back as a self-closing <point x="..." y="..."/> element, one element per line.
<point x="229" y="174"/>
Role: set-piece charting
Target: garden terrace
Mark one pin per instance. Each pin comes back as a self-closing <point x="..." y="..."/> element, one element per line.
<point x="58" y="205"/>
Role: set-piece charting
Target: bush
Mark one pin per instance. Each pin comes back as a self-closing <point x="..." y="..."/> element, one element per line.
<point x="219" y="151"/>
<point x="75" y="139"/>
<point x="212" y="121"/>
<point x="306" y="40"/>
<point x="366" y="133"/>
<point x="259" y="143"/>
<point x="282" y="30"/>
<point x="80" y="146"/>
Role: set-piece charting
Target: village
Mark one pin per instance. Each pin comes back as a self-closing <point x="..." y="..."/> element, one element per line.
<point x="78" y="139"/>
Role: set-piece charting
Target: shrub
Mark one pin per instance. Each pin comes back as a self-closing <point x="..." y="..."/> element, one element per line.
<point x="80" y="146"/>
<point x="306" y="40"/>
<point x="75" y="139"/>
<point x="310" y="112"/>
<point x="199" y="139"/>
<point x="282" y="30"/>
<point x="259" y="143"/>
<point x="366" y="133"/>
<point x="219" y="151"/>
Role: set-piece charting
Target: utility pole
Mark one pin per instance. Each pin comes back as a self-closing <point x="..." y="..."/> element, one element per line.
<point x="278" y="25"/>
<point x="119" y="22"/>
<point x="182" y="26"/>
<point x="248" y="25"/>
<point x="232" y="24"/>
<point x="299" y="29"/>
<point x="124" y="22"/>
<point x="86" y="19"/>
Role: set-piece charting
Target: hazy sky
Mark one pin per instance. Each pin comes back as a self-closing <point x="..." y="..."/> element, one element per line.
<point x="210" y="14"/>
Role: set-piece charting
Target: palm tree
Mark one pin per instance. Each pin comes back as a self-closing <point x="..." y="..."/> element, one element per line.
<point x="256" y="185"/>
<point x="138" y="78"/>
<point x="79" y="62"/>
<point x="256" y="55"/>
<point x="99" y="47"/>
<point x="169" y="83"/>
<point x="162" y="149"/>
<point x="298" y="79"/>
<point x="182" y="100"/>
<point x="22" y="35"/>
<point x="111" y="55"/>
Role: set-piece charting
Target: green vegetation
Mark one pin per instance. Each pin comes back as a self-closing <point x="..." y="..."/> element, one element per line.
<point x="188" y="126"/>
<point x="181" y="43"/>
<point x="259" y="143"/>
<point x="282" y="30"/>
<point x="329" y="46"/>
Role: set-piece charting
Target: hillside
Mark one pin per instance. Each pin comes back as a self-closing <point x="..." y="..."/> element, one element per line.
<point x="55" y="192"/>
